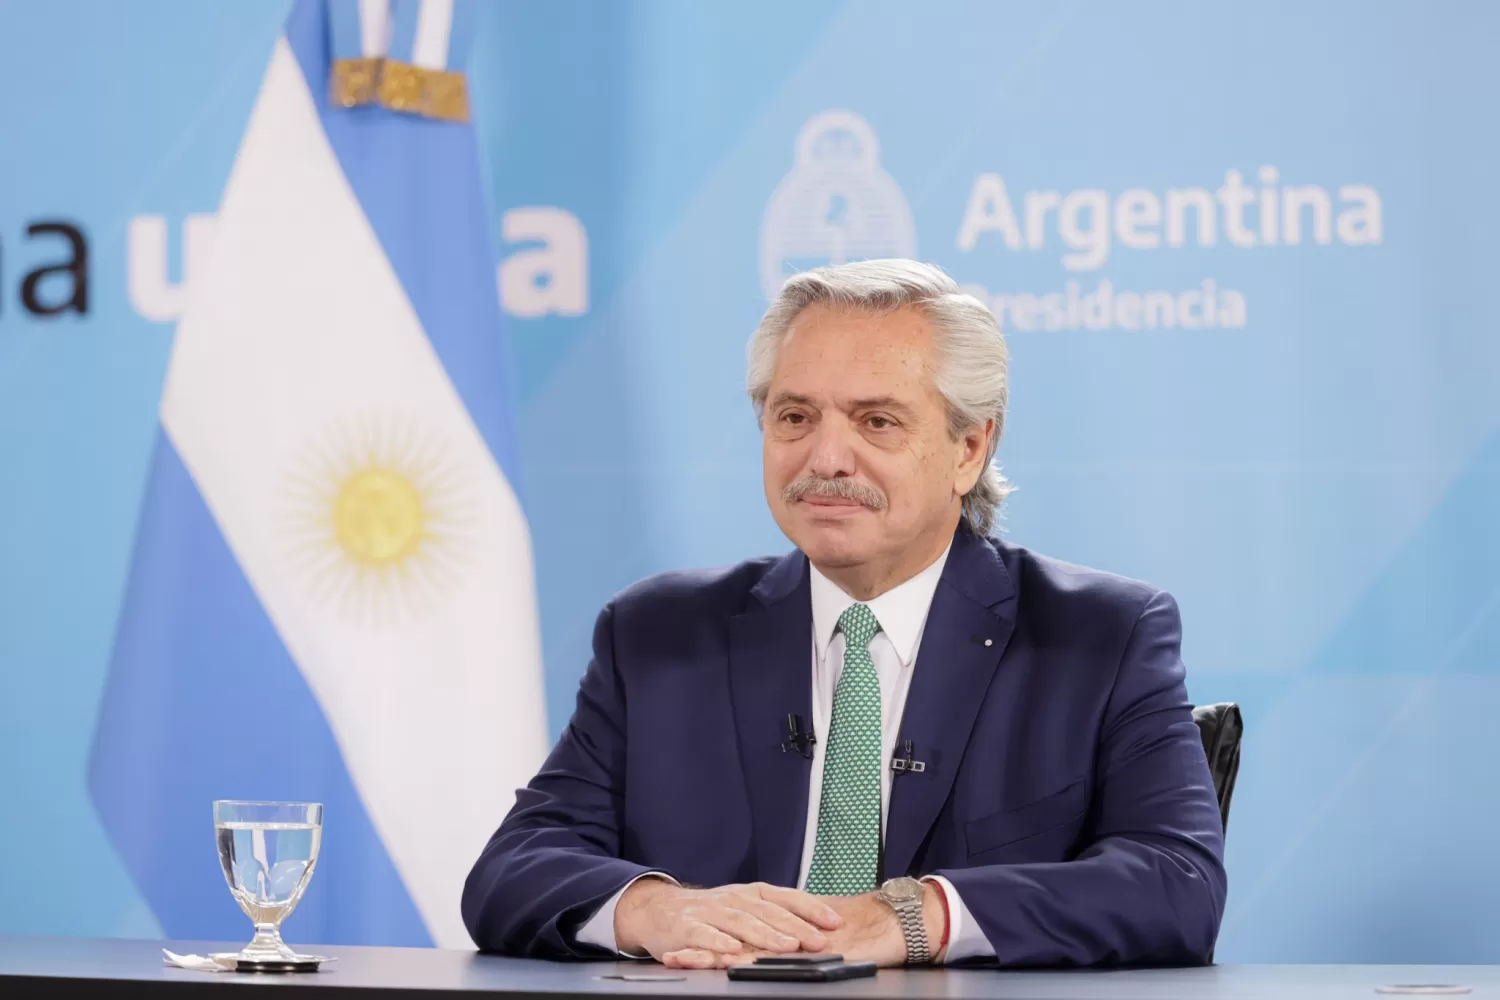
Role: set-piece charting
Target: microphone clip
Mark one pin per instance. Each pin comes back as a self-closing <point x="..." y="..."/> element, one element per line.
<point x="796" y="740"/>
<point x="905" y="765"/>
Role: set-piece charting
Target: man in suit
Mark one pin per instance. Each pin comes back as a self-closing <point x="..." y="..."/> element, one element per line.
<point x="990" y="754"/>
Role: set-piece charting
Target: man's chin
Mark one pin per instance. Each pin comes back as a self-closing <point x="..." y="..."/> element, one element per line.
<point x="834" y="543"/>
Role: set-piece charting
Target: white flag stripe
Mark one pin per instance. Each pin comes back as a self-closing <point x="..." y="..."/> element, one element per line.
<point x="299" y="334"/>
<point x="434" y="28"/>
<point x="374" y="28"/>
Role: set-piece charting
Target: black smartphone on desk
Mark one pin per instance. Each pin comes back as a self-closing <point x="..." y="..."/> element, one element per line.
<point x="801" y="969"/>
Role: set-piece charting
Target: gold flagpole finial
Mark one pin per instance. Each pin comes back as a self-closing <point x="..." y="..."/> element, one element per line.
<point x="353" y="82"/>
<point x="439" y="94"/>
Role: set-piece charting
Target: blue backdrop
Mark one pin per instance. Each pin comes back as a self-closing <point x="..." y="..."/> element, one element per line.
<point x="1241" y="256"/>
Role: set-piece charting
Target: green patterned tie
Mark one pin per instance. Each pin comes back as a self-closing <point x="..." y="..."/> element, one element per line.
<point x="847" y="850"/>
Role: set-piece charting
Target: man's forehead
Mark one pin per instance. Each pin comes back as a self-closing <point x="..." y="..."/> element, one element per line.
<point x="854" y="364"/>
<point x="854" y="351"/>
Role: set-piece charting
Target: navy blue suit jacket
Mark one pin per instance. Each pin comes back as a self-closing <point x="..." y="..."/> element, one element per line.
<point x="1066" y="794"/>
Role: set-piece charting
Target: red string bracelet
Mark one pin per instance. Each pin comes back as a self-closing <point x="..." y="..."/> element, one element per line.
<point x="947" y="920"/>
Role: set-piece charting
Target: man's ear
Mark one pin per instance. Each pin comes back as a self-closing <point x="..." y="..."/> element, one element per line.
<point x="976" y="445"/>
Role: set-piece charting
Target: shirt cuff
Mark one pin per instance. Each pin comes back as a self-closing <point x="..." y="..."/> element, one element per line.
<point x="965" y="938"/>
<point x="599" y="930"/>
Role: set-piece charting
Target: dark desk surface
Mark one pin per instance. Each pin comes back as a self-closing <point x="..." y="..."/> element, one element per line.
<point x="105" y="968"/>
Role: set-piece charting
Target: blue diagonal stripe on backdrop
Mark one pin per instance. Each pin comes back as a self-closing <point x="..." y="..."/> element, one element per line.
<point x="1432" y="586"/>
<point x="1376" y="754"/>
<point x="203" y="702"/>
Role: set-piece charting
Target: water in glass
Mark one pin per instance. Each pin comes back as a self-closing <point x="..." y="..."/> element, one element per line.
<point x="268" y="851"/>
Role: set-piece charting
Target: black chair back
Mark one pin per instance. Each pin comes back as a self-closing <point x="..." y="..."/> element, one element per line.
<point x="1220" y="726"/>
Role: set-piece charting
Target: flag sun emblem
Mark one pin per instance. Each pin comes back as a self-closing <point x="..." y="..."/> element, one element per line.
<point x="378" y="516"/>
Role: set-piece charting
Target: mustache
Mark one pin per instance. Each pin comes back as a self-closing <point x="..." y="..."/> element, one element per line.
<point x="839" y="488"/>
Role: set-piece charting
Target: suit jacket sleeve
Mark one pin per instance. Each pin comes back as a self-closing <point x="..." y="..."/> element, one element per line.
<point x="556" y="858"/>
<point x="1150" y="886"/>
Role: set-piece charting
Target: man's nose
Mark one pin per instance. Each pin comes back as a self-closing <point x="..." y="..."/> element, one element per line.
<point x="833" y="450"/>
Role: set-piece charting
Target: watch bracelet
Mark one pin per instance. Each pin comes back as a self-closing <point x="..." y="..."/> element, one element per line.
<point x="914" y="931"/>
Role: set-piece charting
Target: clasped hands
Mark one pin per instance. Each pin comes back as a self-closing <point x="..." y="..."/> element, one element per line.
<point x="715" y="928"/>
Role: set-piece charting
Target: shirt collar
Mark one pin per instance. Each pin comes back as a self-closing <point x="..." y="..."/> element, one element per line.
<point x="901" y="611"/>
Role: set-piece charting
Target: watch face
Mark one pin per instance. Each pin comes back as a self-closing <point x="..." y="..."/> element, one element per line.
<point x="902" y="890"/>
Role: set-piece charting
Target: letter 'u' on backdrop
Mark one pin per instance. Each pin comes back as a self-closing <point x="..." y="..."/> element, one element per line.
<point x="1243" y="259"/>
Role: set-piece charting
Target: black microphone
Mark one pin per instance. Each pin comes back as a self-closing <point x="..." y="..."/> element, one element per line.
<point x="795" y="740"/>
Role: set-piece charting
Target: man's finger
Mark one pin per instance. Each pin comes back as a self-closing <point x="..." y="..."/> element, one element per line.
<point x="690" y="958"/>
<point x="730" y="917"/>
<point x="697" y="958"/>
<point x="726" y="961"/>
<point x="707" y="937"/>
<point x="805" y="905"/>
<point x="787" y="922"/>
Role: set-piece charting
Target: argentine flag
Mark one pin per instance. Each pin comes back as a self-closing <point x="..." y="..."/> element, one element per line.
<point x="331" y="597"/>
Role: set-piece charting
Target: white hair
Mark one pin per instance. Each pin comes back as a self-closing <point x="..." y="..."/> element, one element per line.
<point x="972" y="371"/>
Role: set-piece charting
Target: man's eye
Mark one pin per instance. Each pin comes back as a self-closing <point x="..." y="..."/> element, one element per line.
<point x="879" y="423"/>
<point x="793" y="418"/>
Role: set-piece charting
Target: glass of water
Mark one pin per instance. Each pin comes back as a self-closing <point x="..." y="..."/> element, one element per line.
<point x="268" y="851"/>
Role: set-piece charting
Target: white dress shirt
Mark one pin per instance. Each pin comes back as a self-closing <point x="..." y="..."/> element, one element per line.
<point x="902" y="614"/>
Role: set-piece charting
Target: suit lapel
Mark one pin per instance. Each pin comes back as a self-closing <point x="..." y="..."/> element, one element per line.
<point x="970" y="623"/>
<point x="770" y="677"/>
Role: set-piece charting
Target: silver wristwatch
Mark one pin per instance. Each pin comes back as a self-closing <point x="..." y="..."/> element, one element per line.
<point x="904" y="895"/>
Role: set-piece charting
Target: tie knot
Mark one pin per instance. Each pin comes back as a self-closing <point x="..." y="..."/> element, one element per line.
<point x="858" y="624"/>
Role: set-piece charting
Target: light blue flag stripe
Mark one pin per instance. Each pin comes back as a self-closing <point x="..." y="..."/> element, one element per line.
<point x="345" y="38"/>
<point x="403" y="30"/>
<point x="420" y="185"/>
<point x="203" y="702"/>
<point x="461" y="35"/>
